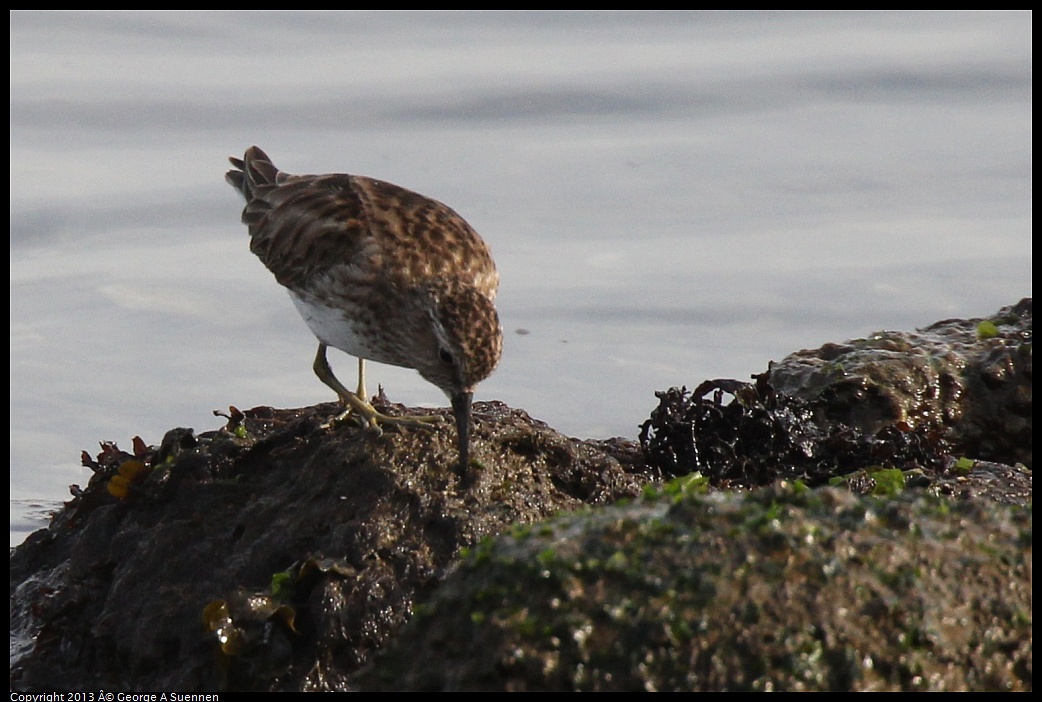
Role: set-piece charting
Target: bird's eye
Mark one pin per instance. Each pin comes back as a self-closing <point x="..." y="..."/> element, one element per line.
<point x="446" y="356"/>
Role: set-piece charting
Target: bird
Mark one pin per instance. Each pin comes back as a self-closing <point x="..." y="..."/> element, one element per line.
<point x="382" y="273"/>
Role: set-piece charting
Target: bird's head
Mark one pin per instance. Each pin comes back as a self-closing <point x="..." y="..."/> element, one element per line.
<point x="466" y="342"/>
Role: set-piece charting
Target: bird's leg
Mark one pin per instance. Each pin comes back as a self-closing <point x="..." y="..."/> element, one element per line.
<point x="361" y="380"/>
<point x="357" y="403"/>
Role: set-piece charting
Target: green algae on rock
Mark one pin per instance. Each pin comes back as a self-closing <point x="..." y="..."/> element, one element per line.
<point x="779" y="589"/>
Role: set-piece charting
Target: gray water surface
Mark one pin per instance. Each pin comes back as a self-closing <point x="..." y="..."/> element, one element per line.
<point x="670" y="196"/>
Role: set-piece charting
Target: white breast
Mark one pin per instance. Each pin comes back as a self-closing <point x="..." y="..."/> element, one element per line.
<point x="331" y="326"/>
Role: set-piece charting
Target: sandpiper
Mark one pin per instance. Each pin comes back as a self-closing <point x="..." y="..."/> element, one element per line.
<point x="382" y="273"/>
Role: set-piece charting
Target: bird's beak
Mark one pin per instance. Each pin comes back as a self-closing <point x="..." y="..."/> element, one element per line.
<point x="461" y="410"/>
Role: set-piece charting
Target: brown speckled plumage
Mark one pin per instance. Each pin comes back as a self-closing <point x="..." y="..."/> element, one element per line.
<point x="378" y="271"/>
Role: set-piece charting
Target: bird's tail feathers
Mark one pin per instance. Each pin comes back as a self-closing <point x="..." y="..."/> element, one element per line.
<point x="252" y="171"/>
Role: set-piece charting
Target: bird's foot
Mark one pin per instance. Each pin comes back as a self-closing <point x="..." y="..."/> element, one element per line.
<point x="361" y="411"/>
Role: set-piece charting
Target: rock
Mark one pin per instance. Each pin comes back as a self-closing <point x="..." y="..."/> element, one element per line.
<point x="273" y="554"/>
<point x="780" y="589"/>
<point x="126" y="592"/>
<point x="973" y="376"/>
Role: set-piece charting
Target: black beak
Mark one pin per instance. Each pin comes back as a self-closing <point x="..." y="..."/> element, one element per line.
<point x="461" y="410"/>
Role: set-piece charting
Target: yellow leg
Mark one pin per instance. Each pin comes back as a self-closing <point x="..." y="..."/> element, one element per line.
<point x="361" y="380"/>
<point x="357" y="403"/>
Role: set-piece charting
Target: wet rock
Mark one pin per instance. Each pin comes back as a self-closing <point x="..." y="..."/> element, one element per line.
<point x="927" y="406"/>
<point x="971" y="376"/>
<point x="173" y="581"/>
<point x="780" y="589"/>
<point x="273" y="554"/>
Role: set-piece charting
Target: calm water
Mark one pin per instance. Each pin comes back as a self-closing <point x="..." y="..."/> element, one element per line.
<point x="669" y="196"/>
